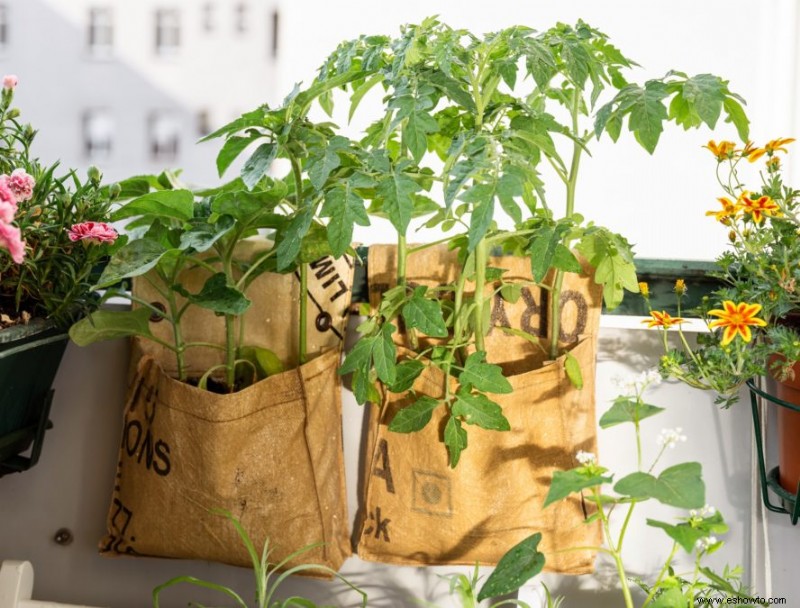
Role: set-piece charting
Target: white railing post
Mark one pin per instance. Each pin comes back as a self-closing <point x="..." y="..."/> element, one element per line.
<point x="16" y="587"/>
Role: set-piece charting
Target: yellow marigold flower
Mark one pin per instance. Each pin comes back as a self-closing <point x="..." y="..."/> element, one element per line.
<point x="748" y="148"/>
<point x="644" y="289"/>
<point x="662" y="319"/>
<point x="722" y="150"/>
<point x="772" y="146"/>
<point x="759" y="207"/>
<point x="729" y="210"/>
<point x="736" y="319"/>
<point x="680" y="287"/>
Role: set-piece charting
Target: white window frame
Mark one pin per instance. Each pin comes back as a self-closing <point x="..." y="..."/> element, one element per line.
<point x="4" y="39"/>
<point x="100" y="31"/>
<point x="98" y="133"/>
<point x="164" y="135"/>
<point x="167" y="31"/>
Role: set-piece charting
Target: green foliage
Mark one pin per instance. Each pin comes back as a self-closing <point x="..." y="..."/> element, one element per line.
<point x="680" y="486"/>
<point x="269" y="576"/>
<point x="56" y="277"/>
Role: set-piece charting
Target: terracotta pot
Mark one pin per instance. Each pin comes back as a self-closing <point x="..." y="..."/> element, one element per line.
<point x="789" y="432"/>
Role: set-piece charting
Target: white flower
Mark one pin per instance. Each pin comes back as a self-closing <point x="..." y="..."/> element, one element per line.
<point x="624" y="384"/>
<point x="706" y="511"/>
<point x="585" y="458"/>
<point x="668" y="438"/>
<point x="651" y="377"/>
<point x="704" y="543"/>
<point x="634" y="385"/>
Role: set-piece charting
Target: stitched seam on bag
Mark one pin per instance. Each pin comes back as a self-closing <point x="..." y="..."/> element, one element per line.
<point x="325" y="551"/>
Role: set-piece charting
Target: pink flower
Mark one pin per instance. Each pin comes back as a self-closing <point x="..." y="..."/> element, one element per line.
<point x="11" y="239"/>
<point x="8" y="202"/>
<point x="21" y="184"/>
<point x="10" y="81"/>
<point x="93" y="232"/>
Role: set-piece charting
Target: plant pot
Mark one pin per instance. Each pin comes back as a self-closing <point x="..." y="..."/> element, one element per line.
<point x="29" y="359"/>
<point x="789" y="432"/>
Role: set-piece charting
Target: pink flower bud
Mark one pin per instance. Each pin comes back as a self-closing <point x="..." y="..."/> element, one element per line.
<point x="8" y="202"/>
<point x="10" y="81"/>
<point x="93" y="232"/>
<point x="21" y="184"/>
<point x="11" y="239"/>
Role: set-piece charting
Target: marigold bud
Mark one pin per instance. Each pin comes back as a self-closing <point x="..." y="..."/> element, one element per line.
<point x="732" y="236"/>
<point x="644" y="289"/>
<point x="680" y="287"/>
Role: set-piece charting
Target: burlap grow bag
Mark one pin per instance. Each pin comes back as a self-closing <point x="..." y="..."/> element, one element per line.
<point x="270" y="454"/>
<point x="416" y="510"/>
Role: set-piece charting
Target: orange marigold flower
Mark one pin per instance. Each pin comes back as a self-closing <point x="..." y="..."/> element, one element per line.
<point x="662" y="319"/>
<point x="736" y="319"/>
<point x="772" y="146"/>
<point x="759" y="207"/>
<point x="729" y="210"/>
<point x="722" y="150"/>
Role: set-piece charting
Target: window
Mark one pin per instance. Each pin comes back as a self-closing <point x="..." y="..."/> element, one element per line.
<point x="3" y="27"/>
<point x="168" y="31"/>
<point x="101" y="31"/>
<point x="241" y="17"/>
<point x="209" y="17"/>
<point x="98" y="133"/>
<point x="164" y="136"/>
<point x="274" y="23"/>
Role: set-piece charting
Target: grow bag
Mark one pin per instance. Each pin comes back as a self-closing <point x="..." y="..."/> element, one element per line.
<point x="416" y="509"/>
<point x="271" y="454"/>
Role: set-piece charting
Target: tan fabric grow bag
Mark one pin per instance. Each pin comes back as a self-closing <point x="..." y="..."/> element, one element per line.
<point x="270" y="454"/>
<point x="416" y="510"/>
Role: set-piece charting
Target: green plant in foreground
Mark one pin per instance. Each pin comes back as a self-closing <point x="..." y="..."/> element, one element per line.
<point x="268" y="577"/>
<point x="679" y="486"/>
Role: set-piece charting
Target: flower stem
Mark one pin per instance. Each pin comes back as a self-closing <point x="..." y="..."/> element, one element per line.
<point x="481" y="259"/>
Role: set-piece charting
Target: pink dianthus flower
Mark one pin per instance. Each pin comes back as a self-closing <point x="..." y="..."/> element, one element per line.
<point x="11" y="239"/>
<point x="93" y="232"/>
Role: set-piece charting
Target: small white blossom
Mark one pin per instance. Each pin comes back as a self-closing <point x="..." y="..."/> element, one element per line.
<point x="585" y="458"/>
<point x="634" y="385"/>
<point x="704" y="543"/>
<point x="651" y="377"/>
<point x="624" y="384"/>
<point x="669" y="438"/>
<point x="706" y="511"/>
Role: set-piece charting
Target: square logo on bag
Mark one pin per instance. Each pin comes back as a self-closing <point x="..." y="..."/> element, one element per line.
<point x="432" y="494"/>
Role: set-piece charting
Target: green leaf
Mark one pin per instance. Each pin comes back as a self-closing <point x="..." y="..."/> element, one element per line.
<point x="132" y="260"/>
<point x="564" y="259"/>
<point x="415" y="133"/>
<point x="407" y="371"/>
<point x="220" y="297"/>
<point x="231" y="149"/>
<point x="483" y="376"/>
<point x="289" y="246"/>
<point x="678" y="486"/>
<point x="541" y="251"/>
<point x="455" y="438"/>
<point x="647" y="114"/>
<point x="573" y="369"/>
<point x="687" y="534"/>
<point x="345" y="208"/>
<point x="111" y="324"/>
<point x="478" y="409"/>
<point x="567" y="482"/>
<point x="736" y="115"/>
<point x="258" y="164"/>
<point x="395" y="191"/>
<point x="359" y="93"/>
<point x="670" y="598"/>
<point x="248" y="207"/>
<point x="520" y="564"/>
<point x="705" y="93"/>
<point x="612" y="258"/>
<point x="482" y="198"/>
<point x="202" y="235"/>
<point x="384" y="355"/>
<point x="540" y="62"/>
<point x="627" y="410"/>
<point x="425" y="315"/>
<point x="509" y="186"/>
<point x="265" y="360"/>
<point x="414" y="417"/>
<point x="172" y="204"/>
<point x="324" y="160"/>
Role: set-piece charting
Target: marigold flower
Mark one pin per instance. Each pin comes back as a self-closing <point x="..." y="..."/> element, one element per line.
<point x="662" y="319"/>
<point x="680" y="287"/>
<point x="729" y="210"/>
<point x="736" y="319"/>
<point x="772" y="146"/>
<point x="757" y="208"/>
<point x="93" y="232"/>
<point x="774" y="163"/>
<point x="644" y="289"/>
<point x="722" y="150"/>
